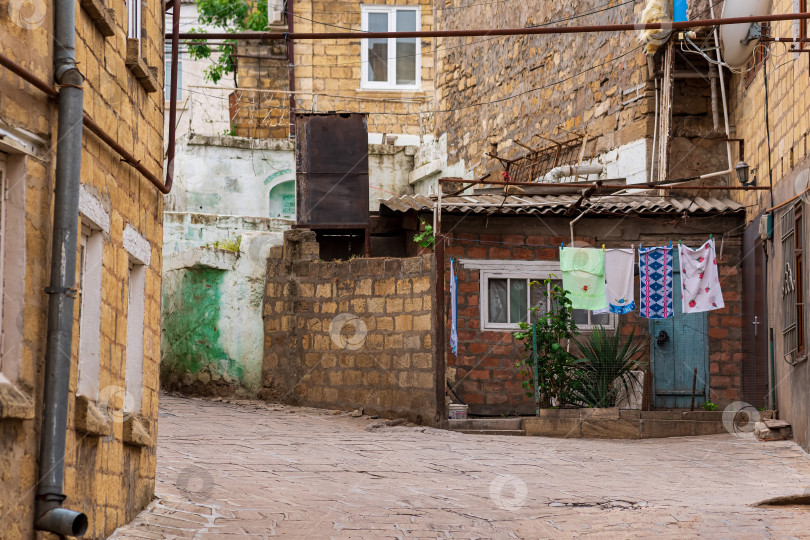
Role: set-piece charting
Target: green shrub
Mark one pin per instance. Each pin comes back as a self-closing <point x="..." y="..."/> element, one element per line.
<point x="557" y="375"/>
<point x="606" y="367"/>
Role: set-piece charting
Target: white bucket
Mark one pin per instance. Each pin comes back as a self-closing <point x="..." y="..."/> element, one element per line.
<point x="458" y="412"/>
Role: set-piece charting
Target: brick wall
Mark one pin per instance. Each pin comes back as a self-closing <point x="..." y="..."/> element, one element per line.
<point x="105" y="477"/>
<point x="484" y="373"/>
<point x="349" y="334"/>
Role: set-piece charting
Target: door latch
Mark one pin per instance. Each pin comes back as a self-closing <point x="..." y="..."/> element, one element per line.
<point x="662" y="338"/>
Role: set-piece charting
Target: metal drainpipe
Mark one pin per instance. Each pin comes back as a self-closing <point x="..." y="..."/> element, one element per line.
<point x="49" y="514"/>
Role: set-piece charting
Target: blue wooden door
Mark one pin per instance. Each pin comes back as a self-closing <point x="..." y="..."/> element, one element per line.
<point x="678" y="346"/>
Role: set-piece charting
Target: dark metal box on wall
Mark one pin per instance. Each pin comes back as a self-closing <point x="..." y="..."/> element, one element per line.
<point x="331" y="158"/>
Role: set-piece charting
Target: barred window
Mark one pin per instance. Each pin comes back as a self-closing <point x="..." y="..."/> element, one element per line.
<point x="793" y="330"/>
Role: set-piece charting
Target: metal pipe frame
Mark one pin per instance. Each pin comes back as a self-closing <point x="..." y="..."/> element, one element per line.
<point x="627" y="27"/>
<point x="578" y="185"/>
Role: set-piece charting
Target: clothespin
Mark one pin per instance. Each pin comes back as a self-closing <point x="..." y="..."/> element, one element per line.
<point x="561" y="246"/>
<point x="679" y="242"/>
<point x="710" y="236"/>
<point x="603" y="248"/>
<point x="670" y="243"/>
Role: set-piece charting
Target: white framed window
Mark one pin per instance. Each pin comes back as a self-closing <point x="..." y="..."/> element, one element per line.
<point x="89" y="288"/>
<point x="507" y="296"/>
<point x="139" y="251"/>
<point x="135" y="314"/>
<point x="135" y="21"/>
<point x="389" y="63"/>
<point x="167" y="79"/>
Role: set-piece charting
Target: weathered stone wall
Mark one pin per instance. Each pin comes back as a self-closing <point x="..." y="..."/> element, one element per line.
<point x="239" y="176"/>
<point x="789" y="112"/>
<point x="484" y="371"/>
<point x="212" y="333"/>
<point x="107" y="477"/>
<point x="349" y="334"/>
<point x="260" y="109"/>
<point x="501" y="89"/>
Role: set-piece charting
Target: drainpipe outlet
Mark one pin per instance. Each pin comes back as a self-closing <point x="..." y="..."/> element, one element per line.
<point x="63" y="522"/>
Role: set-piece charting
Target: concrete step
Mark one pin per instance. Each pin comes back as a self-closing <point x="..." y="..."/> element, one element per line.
<point x="513" y="432"/>
<point x="487" y="424"/>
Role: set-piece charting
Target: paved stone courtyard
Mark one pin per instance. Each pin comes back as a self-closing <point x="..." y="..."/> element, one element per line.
<point x="256" y="470"/>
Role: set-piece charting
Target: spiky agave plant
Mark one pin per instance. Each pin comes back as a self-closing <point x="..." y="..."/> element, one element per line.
<point x="607" y="364"/>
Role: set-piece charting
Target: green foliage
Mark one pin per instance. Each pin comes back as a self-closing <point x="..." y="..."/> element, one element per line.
<point x="426" y="237"/>
<point x="229" y="244"/>
<point x="557" y="372"/>
<point x="607" y="363"/>
<point x="709" y="406"/>
<point x="233" y="16"/>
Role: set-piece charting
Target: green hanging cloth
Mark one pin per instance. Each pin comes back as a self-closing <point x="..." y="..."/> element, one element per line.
<point x="583" y="275"/>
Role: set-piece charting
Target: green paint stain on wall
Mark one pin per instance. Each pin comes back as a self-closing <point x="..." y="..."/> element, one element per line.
<point x="276" y="175"/>
<point x="191" y="318"/>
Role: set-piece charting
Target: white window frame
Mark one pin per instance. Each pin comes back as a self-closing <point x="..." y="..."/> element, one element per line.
<point x="139" y="251"/>
<point x="390" y="84"/>
<point x="167" y="62"/>
<point x="135" y="21"/>
<point x="509" y="269"/>
<point x="90" y="276"/>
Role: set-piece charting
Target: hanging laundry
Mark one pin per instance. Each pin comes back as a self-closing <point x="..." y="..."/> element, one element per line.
<point x="700" y="282"/>
<point x="583" y="275"/>
<point x="655" y="277"/>
<point x="453" y="310"/>
<point x="619" y="280"/>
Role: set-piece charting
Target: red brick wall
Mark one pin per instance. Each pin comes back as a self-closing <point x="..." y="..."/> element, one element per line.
<point x="484" y="372"/>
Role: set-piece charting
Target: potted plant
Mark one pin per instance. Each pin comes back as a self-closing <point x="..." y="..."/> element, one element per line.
<point x="607" y="366"/>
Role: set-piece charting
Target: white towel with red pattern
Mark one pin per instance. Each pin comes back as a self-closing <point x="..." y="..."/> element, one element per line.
<point x="700" y="282"/>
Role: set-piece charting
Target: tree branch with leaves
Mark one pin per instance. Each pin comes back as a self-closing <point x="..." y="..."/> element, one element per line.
<point x="233" y="16"/>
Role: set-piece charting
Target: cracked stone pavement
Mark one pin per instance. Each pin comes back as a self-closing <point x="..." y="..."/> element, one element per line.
<point x="256" y="470"/>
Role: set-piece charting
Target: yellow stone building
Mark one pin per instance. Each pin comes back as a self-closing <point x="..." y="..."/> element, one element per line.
<point x="82" y="397"/>
<point x="775" y="126"/>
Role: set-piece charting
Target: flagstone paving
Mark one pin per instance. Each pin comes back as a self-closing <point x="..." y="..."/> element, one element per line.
<point x="254" y="470"/>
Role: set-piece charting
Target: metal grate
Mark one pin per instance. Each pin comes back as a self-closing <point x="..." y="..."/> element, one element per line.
<point x="788" y="222"/>
<point x="537" y="164"/>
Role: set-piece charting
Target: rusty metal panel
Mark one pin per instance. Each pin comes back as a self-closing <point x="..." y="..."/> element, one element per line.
<point x="331" y="156"/>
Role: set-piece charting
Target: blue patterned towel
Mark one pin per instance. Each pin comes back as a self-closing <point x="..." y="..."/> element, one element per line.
<point x="655" y="277"/>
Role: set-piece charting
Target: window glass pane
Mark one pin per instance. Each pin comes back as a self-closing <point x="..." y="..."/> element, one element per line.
<point x="518" y="307"/>
<point x="600" y="319"/>
<point x="538" y="299"/>
<point x="497" y="300"/>
<point x="581" y="317"/>
<point x="406" y="48"/>
<point x="406" y="61"/>
<point x="378" y="48"/>
<point x="406" y="20"/>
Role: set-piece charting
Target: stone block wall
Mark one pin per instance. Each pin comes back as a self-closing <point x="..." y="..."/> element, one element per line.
<point x="501" y="89"/>
<point x="260" y="108"/>
<point x="350" y="334"/>
<point x="784" y="162"/>
<point x="484" y="372"/>
<point x="109" y="473"/>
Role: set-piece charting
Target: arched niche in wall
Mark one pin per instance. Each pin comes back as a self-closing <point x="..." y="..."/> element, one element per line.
<point x="282" y="200"/>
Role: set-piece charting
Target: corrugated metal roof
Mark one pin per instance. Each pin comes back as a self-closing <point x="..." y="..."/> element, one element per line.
<point x="551" y="204"/>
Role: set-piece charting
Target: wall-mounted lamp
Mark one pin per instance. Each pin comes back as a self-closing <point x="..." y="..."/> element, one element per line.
<point x="742" y="168"/>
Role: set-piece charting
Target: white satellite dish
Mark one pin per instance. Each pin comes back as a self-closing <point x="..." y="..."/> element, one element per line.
<point x="735" y="43"/>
